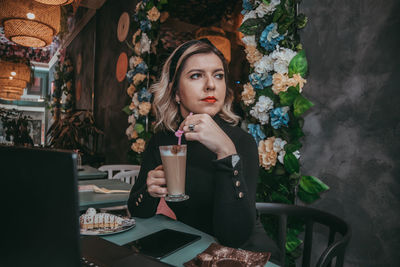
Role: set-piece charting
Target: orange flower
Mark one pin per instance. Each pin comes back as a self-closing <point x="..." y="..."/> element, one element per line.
<point x="138" y="78"/>
<point x="131" y="89"/>
<point x="139" y="145"/>
<point x="299" y="80"/>
<point x="137" y="33"/>
<point x="266" y="153"/>
<point x="279" y="83"/>
<point x="153" y="14"/>
<point x="248" y="94"/>
<point x="252" y="54"/>
<point x="144" y="108"/>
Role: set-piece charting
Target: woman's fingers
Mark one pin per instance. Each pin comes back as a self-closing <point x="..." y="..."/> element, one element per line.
<point x="156" y="182"/>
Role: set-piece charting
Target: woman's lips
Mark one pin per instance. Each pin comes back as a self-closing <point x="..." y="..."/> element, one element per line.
<point x="209" y="99"/>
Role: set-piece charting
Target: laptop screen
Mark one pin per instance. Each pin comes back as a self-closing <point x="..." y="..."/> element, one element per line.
<point x="39" y="205"/>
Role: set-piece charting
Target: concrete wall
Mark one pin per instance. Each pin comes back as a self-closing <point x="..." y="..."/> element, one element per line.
<point x="352" y="133"/>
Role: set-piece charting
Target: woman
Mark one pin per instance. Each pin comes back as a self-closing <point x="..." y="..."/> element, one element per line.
<point x="222" y="159"/>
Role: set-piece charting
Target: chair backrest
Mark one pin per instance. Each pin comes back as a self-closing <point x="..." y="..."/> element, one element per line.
<point x="127" y="173"/>
<point x="336" y="245"/>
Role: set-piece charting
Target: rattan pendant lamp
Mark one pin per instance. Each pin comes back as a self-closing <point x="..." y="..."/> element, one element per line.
<point x="55" y="2"/>
<point x="29" y="23"/>
<point x="14" y="77"/>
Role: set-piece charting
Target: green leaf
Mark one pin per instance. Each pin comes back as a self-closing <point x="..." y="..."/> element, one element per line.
<point x="298" y="64"/>
<point x="287" y="98"/>
<point x="292" y="241"/>
<point x="291" y="163"/>
<point x="307" y="197"/>
<point x="266" y="2"/>
<point x="163" y="2"/>
<point x="312" y="185"/>
<point x="127" y="110"/>
<point x="301" y="105"/>
<point x="276" y="197"/>
<point x="139" y="128"/>
<point x="301" y="21"/>
<point x="251" y="27"/>
<point x="290" y="148"/>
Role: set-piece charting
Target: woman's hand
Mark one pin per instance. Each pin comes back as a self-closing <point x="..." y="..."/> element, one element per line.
<point x="204" y="130"/>
<point x="156" y="182"/>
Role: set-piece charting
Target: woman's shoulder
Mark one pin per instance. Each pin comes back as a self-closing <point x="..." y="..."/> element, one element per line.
<point x="235" y="132"/>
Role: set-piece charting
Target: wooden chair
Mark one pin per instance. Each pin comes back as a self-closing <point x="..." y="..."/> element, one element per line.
<point x="126" y="173"/>
<point x="336" y="245"/>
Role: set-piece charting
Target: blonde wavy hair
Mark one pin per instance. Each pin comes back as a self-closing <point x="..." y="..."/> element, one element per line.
<point x="165" y="107"/>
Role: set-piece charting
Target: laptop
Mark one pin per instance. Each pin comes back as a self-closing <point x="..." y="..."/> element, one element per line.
<point x="40" y="215"/>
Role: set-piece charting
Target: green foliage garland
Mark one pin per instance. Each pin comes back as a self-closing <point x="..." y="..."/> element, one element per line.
<point x="274" y="105"/>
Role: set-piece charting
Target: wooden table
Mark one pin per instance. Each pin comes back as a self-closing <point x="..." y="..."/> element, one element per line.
<point x="150" y="225"/>
<point x="97" y="200"/>
<point x="89" y="173"/>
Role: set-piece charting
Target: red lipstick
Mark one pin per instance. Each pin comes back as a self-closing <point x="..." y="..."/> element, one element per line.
<point x="209" y="99"/>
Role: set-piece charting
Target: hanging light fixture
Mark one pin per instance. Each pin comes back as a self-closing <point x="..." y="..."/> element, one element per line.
<point x="55" y="2"/>
<point x="29" y="23"/>
<point x="14" y="77"/>
<point x="10" y="96"/>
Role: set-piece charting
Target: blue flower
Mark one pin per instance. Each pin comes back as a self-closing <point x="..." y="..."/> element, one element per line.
<point x="270" y="37"/>
<point x="130" y="74"/>
<point x="141" y="68"/>
<point x="260" y="81"/>
<point x="144" y="95"/>
<point x="247" y="6"/>
<point x="145" y="25"/>
<point x="279" y="117"/>
<point x="255" y="131"/>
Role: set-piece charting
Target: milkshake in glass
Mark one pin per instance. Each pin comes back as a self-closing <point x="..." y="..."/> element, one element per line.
<point x="173" y="159"/>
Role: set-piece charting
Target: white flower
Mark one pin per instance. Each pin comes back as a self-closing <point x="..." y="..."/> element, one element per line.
<point x="250" y="15"/>
<point x="282" y="57"/>
<point x="264" y="9"/>
<point x="250" y="40"/>
<point x="144" y="44"/>
<point x="279" y="144"/>
<point x="273" y="33"/>
<point x="131" y="119"/>
<point x="264" y="65"/>
<point x="261" y="109"/>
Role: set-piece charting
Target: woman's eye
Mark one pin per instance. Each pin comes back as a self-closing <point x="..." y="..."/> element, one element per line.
<point x="219" y="76"/>
<point x="195" y="76"/>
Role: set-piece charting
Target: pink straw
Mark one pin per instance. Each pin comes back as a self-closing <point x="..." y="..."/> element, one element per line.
<point x="179" y="133"/>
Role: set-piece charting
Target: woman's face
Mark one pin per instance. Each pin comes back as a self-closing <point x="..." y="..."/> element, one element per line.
<point x="201" y="87"/>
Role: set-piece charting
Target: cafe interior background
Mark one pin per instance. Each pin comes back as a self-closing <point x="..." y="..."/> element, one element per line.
<point x="351" y="132"/>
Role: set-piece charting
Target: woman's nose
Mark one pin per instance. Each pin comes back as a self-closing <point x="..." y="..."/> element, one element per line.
<point x="210" y="83"/>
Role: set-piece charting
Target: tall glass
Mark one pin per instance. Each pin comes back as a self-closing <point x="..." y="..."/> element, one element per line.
<point x="173" y="158"/>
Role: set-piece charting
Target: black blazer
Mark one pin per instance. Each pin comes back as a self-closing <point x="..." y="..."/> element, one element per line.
<point x="222" y="196"/>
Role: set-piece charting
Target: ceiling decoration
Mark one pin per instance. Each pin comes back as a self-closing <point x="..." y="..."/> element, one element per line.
<point x="29" y="23"/>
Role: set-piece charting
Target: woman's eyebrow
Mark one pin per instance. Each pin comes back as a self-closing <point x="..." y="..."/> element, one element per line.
<point x="201" y="70"/>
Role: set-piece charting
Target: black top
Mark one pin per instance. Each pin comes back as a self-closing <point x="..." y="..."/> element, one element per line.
<point x="222" y="197"/>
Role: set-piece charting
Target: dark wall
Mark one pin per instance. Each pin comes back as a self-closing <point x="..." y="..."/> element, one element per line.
<point x="352" y="132"/>
<point x="83" y="47"/>
<point x="110" y="95"/>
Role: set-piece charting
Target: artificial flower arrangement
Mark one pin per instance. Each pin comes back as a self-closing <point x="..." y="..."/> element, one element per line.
<point x="273" y="103"/>
<point x="143" y="68"/>
<point x="63" y="84"/>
